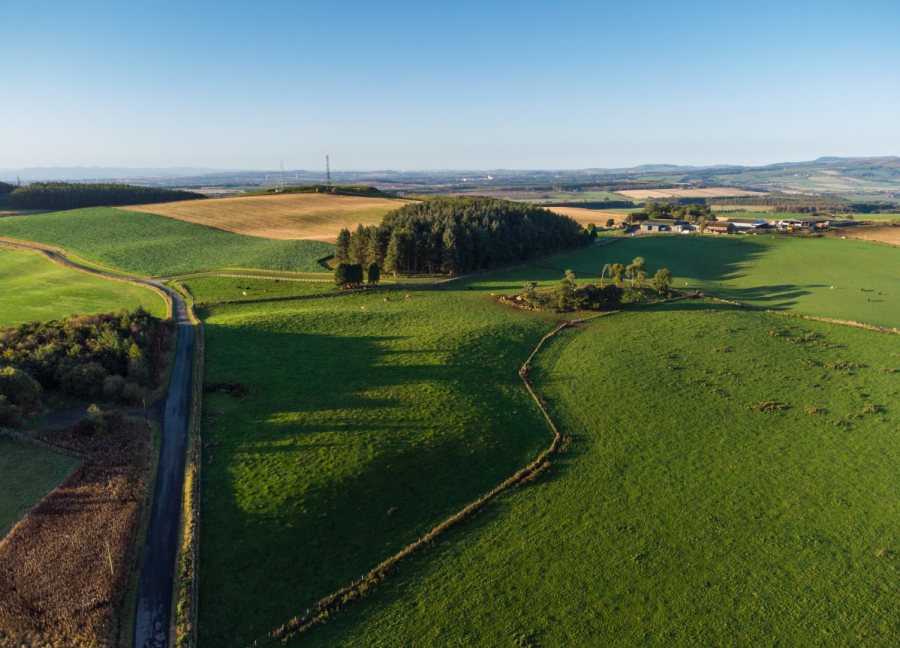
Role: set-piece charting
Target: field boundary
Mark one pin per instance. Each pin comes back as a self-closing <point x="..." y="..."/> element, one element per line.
<point x="359" y="588"/>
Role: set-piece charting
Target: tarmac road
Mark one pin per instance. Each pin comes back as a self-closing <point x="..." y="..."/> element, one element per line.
<point x="155" y="587"/>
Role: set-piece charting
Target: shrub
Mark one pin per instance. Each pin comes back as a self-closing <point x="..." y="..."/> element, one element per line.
<point x="112" y="388"/>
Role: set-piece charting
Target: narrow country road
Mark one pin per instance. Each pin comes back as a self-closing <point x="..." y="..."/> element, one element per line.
<point x="155" y="587"/>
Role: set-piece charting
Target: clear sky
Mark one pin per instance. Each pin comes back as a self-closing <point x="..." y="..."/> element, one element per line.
<point x="443" y="85"/>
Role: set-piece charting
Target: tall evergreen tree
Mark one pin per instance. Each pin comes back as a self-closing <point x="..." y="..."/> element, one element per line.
<point x="342" y="246"/>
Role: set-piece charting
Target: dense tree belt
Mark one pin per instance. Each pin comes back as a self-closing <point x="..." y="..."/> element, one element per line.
<point x="66" y="195"/>
<point x="457" y="235"/>
<point x="114" y="358"/>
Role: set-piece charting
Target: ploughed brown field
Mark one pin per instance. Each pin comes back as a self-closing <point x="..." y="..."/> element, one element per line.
<point x="65" y="566"/>
<point x="307" y="216"/>
<point x="707" y="192"/>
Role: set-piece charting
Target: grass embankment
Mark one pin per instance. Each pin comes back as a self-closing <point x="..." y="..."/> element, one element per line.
<point x="733" y="480"/>
<point x="309" y="216"/>
<point x="35" y="289"/>
<point x="827" y="277"/>
<point x="354" y="426"/>
<point x="151" y="245"/>
<point x="27" y="473"/>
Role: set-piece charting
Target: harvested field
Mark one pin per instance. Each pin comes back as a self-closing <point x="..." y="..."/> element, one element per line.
<point x="707" y="192"/>
<point x="66" y="565"/>
<point x="880" y="233"/>
<point x="288" y="216"/>
<point x="596" y="216"/>
<point x="741" y="208"/>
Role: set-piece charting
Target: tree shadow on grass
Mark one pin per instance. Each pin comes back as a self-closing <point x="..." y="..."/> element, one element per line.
<point x="275" y="541"/>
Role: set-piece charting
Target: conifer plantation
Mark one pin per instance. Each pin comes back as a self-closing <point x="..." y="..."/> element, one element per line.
<point x="457" y="235"/>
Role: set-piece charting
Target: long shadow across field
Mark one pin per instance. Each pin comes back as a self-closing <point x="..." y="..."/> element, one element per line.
<point x="356" y="449"/>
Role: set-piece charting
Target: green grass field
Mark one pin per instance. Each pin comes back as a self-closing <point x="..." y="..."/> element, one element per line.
<point x="364" y="422"/>
<point x="33" y="289"/>
<point x="830" y="277"/>
<point x="682" y="515"/>
<point x="212" y="290"/>
<point x="152" y="245"/>
<point x="27" y="473"/>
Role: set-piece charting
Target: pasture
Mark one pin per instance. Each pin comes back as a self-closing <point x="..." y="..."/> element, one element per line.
<point x="27" y="473"/>
<point x="288" y="216"/>
<point x="213" y="289"/>
<point x="149" y="245"/>
<point x="675" y="192"/>
<point x="35" y="289"/>
<point x="337" y="430"/>
<point x="827" y="277"/>
<point x="732" y="481"/>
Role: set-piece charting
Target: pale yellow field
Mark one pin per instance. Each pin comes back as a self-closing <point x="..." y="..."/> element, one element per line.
<point x="309" y="216"/>
<point x="880" y="233"/>
<point x="584" y="216"/>
<point x="708" y="192"/>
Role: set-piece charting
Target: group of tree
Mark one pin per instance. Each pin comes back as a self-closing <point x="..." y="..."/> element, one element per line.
<point x="112" y="358"/>
<point x="568" y="295"/>
<point x="340" y="190"/>
<point x="71" y="195"/>
<point x="692" y="212"/>
<point x="350" y="275"/>
<point x="455" y="235"/>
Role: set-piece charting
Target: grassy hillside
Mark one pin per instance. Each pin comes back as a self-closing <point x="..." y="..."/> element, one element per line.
<point x="33" y="289"/>
<point x="830" y="277"/>
<point x="311" y="216"/>
<point x="685" y="513"/>
<point x="158" y="246"/>
<point x="27" y="473"/>
<point x="356" y="423"/>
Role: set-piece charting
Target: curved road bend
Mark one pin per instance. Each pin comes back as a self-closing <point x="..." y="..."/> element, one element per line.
<point x="155" y="587"/>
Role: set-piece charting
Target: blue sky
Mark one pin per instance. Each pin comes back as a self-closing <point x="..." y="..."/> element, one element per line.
<point x="441" y="85"/>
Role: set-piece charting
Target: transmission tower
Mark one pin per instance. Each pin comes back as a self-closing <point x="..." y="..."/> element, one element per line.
<point x="281" y="178"/>
<point x="327" y="171"/>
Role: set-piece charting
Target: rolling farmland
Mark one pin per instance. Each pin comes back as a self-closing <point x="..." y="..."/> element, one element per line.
<point x="35" y="289"/>
<point x="306" y="216"/>
<point x="151" y="245"/>
<point x="708" y="518"/>
<point x="827" y="277"/>
<point x="295" y="500"/>
<point x="707" y="192"/>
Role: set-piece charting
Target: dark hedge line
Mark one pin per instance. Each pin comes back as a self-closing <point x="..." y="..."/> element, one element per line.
<point x="67" y="195"/>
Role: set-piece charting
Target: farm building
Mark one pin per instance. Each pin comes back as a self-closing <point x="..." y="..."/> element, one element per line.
<point x="745" y="224"/>
<point x="682" y="226"/>
<point x="720" y="228"/>
<point x="656" y="226"/>
<point x="811" y="222"/>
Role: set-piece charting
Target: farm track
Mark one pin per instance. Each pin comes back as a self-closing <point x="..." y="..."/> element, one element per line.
<point x="155" y="586"/>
